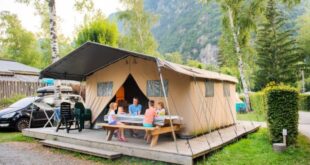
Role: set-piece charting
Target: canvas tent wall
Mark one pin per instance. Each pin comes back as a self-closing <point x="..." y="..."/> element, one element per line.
<point x="186" y="87"/>
<point x="184" y="99"/>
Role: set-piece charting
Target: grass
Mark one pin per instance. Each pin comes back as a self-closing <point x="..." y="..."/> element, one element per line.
<point x="256" y="150"/>
<point x="8" y="101"/>
<point x="251" y="116"/>
<point x="14" y="137"/>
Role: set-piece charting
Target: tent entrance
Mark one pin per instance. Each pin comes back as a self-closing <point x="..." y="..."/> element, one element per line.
<point x="125" y="95"/>
<point x="131" y="90"/>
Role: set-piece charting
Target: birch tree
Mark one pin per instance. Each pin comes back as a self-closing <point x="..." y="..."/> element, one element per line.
<point x="40" y="6"/>
<point x="53" y="32"/>
<point x="239" y="19"/>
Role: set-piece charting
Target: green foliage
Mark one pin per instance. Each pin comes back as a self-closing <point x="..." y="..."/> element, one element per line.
<point x="137" y="24"/>
<point x="303" y="37"/>
<point x="8" y="101"/>
<point x="175" y="57"/>
<point x="17" y="43"/>
<point x="304" y="102"/>
<point x="186" y="26"/>
<point x="258" y="102"/>
<point x="282" y="112"/>
<point x="196" y="64"/>
<point x="278" y="55"/>
<point x="255" y="149"/>
<point x="98" y="30"/>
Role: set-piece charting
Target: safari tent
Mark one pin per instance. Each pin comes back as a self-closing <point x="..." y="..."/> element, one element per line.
<point x="204" y="100"/>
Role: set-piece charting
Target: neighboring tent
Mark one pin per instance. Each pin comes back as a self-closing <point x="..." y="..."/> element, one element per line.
<point x="205" y="100"/>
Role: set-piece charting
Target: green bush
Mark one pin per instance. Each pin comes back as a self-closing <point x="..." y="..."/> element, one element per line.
<point x="8" y="101"/>
<point x="304" y="102"/>
<point x="282" y="112"/>
<point x="258" y="102"/>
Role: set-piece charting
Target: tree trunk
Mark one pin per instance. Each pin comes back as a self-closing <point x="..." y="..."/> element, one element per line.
<point x="240" y="62"/>
<point x="53" y="35"/>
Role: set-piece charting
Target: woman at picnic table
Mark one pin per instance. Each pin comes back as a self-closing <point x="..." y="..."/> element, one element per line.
<point x="149" y="117"/>
<point x="160" y="109"/>
<point x="112" y="121"/>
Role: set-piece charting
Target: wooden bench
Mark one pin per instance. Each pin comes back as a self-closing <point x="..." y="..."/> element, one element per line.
<point x="154" y="131"/>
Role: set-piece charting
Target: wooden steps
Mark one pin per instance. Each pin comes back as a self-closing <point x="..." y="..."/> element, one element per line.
<point x="82" y="149"/>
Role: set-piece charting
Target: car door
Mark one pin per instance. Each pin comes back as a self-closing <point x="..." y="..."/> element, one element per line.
<point x="39" y="116"/>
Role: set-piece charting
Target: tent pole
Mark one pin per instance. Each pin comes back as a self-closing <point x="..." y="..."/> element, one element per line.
<point x="166" y="100"/>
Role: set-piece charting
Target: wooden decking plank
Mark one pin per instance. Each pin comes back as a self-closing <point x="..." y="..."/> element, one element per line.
<point x="82" y="149"/>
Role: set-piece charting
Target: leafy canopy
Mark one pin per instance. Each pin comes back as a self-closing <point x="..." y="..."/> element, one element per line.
<point x="17" y="43"/>
<point x="98" y="30"/>
<point x="137" y="24"/>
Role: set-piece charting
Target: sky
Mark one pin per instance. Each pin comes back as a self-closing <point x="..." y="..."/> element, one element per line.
<point x="70" y="19"/>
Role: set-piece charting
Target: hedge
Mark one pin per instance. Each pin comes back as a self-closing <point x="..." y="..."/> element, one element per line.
<point x="258" y="102"/>
<point x="304" y="102"/>
<point x="282" y="112"/>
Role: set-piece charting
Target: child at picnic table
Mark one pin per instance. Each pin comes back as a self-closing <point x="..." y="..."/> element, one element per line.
<point x="120" y="110"/>
<point x="149" y="117"/>
<point x="112" y="121"/>
<point x="160" y="109"/>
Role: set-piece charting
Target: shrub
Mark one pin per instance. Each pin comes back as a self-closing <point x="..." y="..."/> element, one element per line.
<point x="282" y="112"/>
<point x="258" y="102"/>
<point x="304" y="102"/>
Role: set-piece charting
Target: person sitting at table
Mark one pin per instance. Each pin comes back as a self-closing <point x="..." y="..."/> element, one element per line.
<point x="160" y="109"/>
<point x="149" y="117"/>
<point x="112" y="121"/>
<point x="135" y="110"/>
<point x="120" y="110"/>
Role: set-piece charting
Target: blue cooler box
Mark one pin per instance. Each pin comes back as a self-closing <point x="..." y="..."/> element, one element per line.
<point x="241" y="107"/>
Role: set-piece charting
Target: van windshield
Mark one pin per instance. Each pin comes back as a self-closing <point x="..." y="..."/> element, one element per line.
<point x="23" y="102"/>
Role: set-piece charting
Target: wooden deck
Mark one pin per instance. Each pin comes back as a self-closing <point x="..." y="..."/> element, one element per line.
<point x="165" y="150"/>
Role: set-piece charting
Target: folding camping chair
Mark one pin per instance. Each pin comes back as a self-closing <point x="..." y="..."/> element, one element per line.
<point x="67" y="118"/>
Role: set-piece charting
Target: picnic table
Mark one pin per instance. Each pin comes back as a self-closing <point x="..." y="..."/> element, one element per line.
<point x="138" y="119"/>
<point x="162" y="125"/>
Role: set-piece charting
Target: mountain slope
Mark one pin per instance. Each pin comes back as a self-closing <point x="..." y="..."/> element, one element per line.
<point x="187" y="26"/>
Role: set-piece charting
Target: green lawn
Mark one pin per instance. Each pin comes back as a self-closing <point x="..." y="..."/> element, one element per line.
<point x="254" y="150"/>
<point x="14" y="137"/>
<point x="251" y="116"/>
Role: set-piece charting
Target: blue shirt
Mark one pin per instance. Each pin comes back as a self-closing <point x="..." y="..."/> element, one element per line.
<point x="135" y="109"/>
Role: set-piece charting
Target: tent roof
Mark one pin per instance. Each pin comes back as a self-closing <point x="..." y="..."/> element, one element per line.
<point x="91" y="57"/>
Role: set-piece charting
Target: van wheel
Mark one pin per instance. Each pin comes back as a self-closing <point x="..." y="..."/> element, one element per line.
<point x="22" y="124"/>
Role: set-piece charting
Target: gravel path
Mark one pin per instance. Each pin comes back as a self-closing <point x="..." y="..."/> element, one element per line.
<point x="20" y="153"/>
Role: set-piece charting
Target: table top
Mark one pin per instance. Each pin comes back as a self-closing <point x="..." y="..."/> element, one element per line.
<point x="138" y="119"/>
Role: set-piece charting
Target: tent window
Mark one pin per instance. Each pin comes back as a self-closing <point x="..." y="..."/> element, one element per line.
<point x="209" y="88"/>
<point x="104" y="88"/>
<point x="154" y="88"/>
<point x="226" y="89"/>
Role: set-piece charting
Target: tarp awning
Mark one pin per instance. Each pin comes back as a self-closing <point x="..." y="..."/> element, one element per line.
<point x="91" y="57"/>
